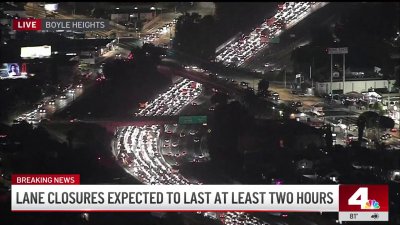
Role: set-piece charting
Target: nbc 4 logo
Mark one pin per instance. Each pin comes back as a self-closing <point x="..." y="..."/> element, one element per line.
<point x="360" y="197"/>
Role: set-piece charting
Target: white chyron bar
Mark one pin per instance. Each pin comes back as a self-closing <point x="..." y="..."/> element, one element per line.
<point x="289" y="198"/>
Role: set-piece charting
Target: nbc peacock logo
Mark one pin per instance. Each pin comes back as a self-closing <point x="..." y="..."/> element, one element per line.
<point x="371" y="204"/>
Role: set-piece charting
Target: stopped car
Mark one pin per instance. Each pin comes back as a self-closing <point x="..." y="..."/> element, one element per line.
<point x="196" y="139"/>
<point x="175" y="144"/>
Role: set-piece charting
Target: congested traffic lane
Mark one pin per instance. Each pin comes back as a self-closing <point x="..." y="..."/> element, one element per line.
<point x="197" y="76"/>
<point x="141" y="149"/>
<point x="49" y="105"/>
<point x="236" y="53"/>
<point x="173" y="100"/>
<point x="153" y="157"/>
<point x="161" y="35"/>
<point x="233" y="218"/>
<point x="184" y="144"/>
<point x="138" y="151"/>
<point x="147" y="152"/>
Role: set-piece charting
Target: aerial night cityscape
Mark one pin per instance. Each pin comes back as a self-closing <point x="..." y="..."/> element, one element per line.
<point x="201" y="93"/>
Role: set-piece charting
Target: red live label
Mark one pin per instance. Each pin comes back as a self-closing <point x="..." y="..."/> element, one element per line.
<point x="363" y="198"/>
<point x="41" y="179"/>
<point x="27" y="24"/>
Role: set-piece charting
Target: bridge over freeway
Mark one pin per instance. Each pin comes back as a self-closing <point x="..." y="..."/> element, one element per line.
<point x="202" y="78"/>
<point x="193" y="75"/>
<point x="111" y="124"/>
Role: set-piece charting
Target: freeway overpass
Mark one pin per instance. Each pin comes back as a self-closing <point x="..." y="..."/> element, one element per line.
<point x="192" y="75"/>
<point x="111" y="124"/>
<point x="203" y="79"/>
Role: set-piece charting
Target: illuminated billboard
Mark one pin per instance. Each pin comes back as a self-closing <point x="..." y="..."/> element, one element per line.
<point x="36" y="52"/>
<point x="51" y="7"/>
<point x="12" y="71"/>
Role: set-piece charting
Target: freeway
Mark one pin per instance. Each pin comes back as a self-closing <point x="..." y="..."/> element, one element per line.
<point x="194" y="75"/>
<point x="165" y="139"/>
<point x="277" y="55"/>
<point x="152" y="154"/>
<point x="222" y="81"/>
<point x="237" y="53"/>
<point x="49" y="105"/>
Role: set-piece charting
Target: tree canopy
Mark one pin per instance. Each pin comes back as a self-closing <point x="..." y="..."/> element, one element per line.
<point x="263" y="86"/>
<point x="193" y="34"/>
<point x="372" y="119"/>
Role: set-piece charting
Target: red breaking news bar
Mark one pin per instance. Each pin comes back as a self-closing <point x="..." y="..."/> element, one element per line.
<point x="53" y="179"/>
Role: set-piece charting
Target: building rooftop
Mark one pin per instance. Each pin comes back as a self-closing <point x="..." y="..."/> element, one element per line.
<point x="354" y="79"/>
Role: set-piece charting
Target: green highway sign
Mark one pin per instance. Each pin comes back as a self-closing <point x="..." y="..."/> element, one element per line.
<point x="192" y="119"/>
<point x="274" y="40"/>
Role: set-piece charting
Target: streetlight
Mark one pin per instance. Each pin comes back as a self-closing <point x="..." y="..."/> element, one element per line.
<point x="117" y="8"/>
<point x="154" y="9"/>
<point x="285" y="75"/>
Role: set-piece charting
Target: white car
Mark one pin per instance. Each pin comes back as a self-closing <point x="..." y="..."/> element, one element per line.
<point x="175" y="144"/>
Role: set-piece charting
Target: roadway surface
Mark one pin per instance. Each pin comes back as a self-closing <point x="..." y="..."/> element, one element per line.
<point x="240" y="51"/>
<point x="297" y="35"/>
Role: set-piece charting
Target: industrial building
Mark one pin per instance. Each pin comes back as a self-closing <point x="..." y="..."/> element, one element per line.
<point x="352" y="86"/>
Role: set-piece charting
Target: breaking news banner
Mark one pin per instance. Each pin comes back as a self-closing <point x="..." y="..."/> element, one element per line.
<point x="63" y="192"/>
<point x="60" y="24"/>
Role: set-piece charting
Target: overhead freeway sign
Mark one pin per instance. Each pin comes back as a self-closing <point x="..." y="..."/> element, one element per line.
<point x="192" y="119"/>
<point x="274" y="40"/>
<point x="335" y="51"/>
